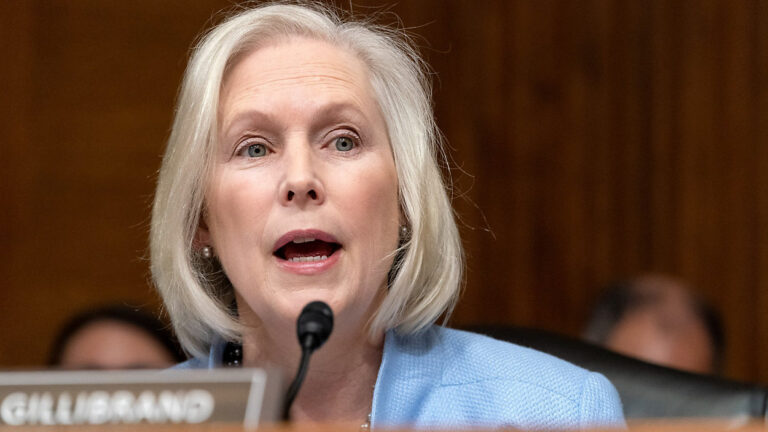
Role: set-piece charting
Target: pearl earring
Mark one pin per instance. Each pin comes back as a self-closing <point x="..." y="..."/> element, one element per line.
<point x="403" y="232"/>
<point x="207" y="252"/>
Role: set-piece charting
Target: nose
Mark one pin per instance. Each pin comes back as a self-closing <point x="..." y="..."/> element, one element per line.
<point x="301" y="185"/>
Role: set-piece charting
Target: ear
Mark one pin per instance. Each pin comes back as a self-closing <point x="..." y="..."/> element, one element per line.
<point x="202" y="235"/>
<point x="403" y="220"/>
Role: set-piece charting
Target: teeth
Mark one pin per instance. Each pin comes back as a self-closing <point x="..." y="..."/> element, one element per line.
<point x="303" y="239"/>
<point x="308" y="258"/>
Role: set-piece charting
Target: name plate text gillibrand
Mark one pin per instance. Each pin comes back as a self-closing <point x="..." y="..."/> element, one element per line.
<point x="52" y="398"/>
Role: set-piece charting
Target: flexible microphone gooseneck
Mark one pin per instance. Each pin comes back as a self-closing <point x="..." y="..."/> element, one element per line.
<point x="313" y="327"/>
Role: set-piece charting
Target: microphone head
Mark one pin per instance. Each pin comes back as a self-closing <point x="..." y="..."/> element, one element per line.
<point x="314" y="325"/>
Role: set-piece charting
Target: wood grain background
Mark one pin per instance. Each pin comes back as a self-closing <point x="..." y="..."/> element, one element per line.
<point x="592" y="140"/>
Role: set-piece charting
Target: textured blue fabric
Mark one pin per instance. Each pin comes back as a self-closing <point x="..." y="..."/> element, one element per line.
<point x="449" y="379"/>
<point x="444" y="378"/>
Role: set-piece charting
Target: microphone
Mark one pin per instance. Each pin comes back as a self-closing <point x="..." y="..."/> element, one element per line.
<point x="313" y="327"/>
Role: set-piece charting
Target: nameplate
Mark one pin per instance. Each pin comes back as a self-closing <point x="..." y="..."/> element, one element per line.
<point x="52" y="398"/>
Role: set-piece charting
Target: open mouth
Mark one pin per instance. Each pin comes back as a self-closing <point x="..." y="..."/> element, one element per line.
<point x="306" y="249"/>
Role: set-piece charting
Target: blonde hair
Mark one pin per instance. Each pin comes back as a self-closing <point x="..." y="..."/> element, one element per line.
<point x="427" y="274"/>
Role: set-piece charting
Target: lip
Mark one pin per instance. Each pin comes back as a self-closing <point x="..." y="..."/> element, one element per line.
<point x="293" y="235"/>
<point x="309" y="268"/>
<point x="312" y="267"/>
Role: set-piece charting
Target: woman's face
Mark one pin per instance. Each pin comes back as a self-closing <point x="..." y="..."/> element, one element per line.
<point x="303" y="201"/>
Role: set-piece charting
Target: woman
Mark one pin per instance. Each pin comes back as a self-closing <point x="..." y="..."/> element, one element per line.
<point x="303" y="165"/>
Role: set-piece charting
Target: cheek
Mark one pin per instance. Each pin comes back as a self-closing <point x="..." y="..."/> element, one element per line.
<point x="378" y="202"/>
<point x="372" y="206"/>
<point x="236" y="210"/>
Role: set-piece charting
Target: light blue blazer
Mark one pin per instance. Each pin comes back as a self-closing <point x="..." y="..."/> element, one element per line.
<point x="451" y="379"/>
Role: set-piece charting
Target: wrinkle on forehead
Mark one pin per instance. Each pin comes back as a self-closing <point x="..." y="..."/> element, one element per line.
<point x="340" y="72"/>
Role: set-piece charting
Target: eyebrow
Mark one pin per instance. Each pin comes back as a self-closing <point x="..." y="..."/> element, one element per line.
<point x="244" y="120"/>
<point x="333" y="111"/>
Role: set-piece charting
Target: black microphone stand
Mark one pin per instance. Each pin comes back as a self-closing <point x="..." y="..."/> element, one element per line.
<point x="313" y="327"/>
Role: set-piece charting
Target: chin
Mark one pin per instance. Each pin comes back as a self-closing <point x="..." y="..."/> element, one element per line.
<point x="290" y="306"/>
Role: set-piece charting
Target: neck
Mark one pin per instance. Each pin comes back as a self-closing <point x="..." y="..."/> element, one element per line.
<point x="341" y="375"/>
<point x="339" y="385"/>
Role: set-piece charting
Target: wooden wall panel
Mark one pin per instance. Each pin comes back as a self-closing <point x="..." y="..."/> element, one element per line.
<point x="92" y="108"/>
<point x="591" y="140"/>
<point x="16" y="42"/>
<point x="758" y="120"/>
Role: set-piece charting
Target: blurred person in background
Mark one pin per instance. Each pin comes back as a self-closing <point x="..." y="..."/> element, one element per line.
<point x="658" y="319"/>
<point x="114" y="337"/>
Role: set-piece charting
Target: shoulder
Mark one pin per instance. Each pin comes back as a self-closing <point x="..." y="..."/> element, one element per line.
<point x="565" y="386"/>
<point x="476" y="358"/>
<point x="496" y="382"/>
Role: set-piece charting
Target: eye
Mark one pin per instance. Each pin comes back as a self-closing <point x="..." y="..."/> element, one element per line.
<point x="344" y="144"/>
<point x="256" y="150"/>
